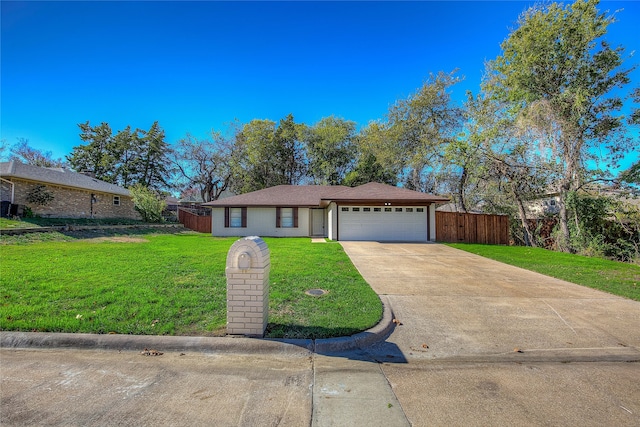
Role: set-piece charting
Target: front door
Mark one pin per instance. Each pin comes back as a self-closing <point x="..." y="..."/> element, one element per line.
<point x="317" y="222"/>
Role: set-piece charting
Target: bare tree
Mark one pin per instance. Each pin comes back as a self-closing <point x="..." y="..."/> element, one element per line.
<point x="204" y="164"/>
<point x="24" y="153"/>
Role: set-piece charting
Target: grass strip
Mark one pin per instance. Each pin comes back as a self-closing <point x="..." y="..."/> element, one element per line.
<point x="173" y="284"/>
<point x="617" y="278"/>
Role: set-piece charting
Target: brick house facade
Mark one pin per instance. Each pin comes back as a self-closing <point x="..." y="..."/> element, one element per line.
<point x="75" y="195"/>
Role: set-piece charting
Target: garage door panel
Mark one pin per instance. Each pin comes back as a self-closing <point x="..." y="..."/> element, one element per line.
<point x="383" y="226"/>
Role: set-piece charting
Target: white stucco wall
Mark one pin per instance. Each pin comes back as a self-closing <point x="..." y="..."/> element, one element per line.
<point x="260" y="222"/>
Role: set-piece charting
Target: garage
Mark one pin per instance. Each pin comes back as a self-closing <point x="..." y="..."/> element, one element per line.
<point x="383" y="223"/>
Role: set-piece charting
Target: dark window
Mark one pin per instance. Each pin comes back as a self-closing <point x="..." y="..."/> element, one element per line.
<point x="235" y="217"/>
<point x="286" y="217"/>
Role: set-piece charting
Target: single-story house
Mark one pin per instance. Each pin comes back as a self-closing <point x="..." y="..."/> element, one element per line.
<point x="373" y="211"/>
<point x="67" y="194"/>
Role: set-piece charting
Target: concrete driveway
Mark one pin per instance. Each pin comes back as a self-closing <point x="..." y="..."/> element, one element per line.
<point x="490" y="344"/>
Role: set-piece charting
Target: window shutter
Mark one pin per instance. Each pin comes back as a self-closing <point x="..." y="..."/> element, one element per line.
<point x="277" y="217"/>
<point x="226" y="217"/>
<point x="244" y="217"/>
<point x="295" y="217"/>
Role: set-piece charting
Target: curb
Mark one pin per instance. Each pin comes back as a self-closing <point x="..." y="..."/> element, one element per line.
<point x="363" y="339"/>
<point x="222" y="345"/>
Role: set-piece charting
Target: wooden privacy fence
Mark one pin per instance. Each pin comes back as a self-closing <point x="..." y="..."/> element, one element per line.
<point x="193" y="221"/>
<point x="454" y="227"/>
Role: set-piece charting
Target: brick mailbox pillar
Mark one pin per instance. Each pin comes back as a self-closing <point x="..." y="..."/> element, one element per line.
<point x="248" y="265"/>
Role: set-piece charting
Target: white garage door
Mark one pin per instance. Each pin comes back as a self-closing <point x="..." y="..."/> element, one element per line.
<point x="396" y="223"/>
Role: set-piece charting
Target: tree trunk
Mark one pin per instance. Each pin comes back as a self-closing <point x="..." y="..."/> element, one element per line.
<point x="563" y="218"/>
<point x="529" y="238"/>
<point x="461" y="184"/>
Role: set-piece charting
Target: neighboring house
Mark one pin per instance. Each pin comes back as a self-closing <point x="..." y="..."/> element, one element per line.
<point x="72" y="195"/>
<point x="373" y="211"/>
<point x="546" y="204"/>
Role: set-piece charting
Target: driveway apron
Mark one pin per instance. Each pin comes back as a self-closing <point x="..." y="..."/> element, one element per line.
<point x="486" y="343"/>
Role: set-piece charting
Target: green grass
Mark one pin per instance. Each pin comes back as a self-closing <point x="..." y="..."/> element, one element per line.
<point x="618" y="278"/>
<point x="8" y="224"/>
<point x="172" y="284"/>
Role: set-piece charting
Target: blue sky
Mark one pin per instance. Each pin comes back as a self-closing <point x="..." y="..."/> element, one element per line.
<point x="194" y="66"/>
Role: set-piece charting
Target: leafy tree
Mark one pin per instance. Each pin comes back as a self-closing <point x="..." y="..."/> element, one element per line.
<point x="367" y="170"/>
<point x="290" y="162"/>
<point x="631" y="175"/>
<point x="154" y="164"/>
<point x="634" y="117"/>
<point x="204" y="164"/>
<point x="148" y="203"/>
<point x="129" y="157"/>
<point x="97" y="154"/>
<point x="266" y="155"/>
<point x="464" y="155"/>
<point x="558" y="73"/>
<point x="125" y="149"/>
<point x="22" y="152"/>
<point x="412" y="139"/>
<point x="330" y="150"/>
<point x="422" y="125"/>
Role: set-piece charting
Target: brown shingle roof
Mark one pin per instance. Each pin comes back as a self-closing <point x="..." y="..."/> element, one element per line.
<point x="322" y="195"/>
<point x="280" y="195"/>
<point x="58" y="176"/>
<point x="375" y="192"/>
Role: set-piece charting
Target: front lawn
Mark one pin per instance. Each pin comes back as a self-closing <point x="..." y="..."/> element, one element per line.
<point x="610" y="276"/>
<point x="174" y="284"/>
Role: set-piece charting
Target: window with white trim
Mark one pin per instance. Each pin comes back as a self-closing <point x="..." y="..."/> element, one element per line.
<point x="116" y="200"/>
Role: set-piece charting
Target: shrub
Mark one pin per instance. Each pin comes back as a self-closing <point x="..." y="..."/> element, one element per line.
<point x="148" y="203"/>
<point x="39" y="195"/>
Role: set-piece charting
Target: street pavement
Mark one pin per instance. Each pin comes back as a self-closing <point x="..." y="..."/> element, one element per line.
<point x="476" y="342"/>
